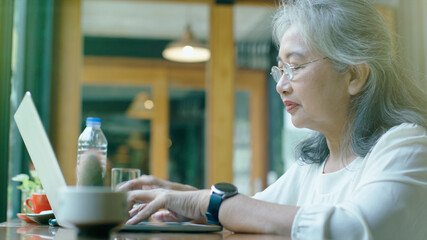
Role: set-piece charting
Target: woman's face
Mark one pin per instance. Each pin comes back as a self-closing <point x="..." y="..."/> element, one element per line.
<point x="317" y="97"/>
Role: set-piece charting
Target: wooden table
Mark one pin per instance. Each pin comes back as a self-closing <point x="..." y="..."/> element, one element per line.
<point x="17" y="230"/>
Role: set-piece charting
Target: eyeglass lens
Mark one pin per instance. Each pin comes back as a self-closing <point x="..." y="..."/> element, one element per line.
<point x="277" y="73"/>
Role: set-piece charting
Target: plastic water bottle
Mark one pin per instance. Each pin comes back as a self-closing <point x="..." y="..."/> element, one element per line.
<point x="92" y="138"/>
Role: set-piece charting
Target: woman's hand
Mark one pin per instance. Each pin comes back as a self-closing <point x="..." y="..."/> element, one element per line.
<point x="179" y="205"/>
<point x="147" y="182"/>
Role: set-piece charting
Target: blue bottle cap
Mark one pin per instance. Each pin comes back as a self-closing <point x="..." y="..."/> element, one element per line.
<point x="93" y="121"/>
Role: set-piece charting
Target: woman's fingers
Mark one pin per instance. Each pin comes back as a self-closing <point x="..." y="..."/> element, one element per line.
<point x="157" y="203"/>
<point x="147" y="182"/>
<point x="143" y="196"/>
<point x="143" y="182"/>
<point x="168" y="216"/>
<point x="139" y="198"/>
<point x="136" y="208"/>
<point x="181" y="205"/>
<point x="164" y="216"/>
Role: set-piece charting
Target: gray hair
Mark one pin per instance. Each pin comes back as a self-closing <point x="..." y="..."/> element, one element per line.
<point x="352" y="32"/>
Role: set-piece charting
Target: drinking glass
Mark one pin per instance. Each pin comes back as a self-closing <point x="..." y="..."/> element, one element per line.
<point x="119" y="175"/>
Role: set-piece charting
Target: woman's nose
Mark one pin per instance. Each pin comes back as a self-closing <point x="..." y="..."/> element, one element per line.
<point x="283" y="86"/>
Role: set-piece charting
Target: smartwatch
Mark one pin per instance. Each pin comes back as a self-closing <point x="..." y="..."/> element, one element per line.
<point x="219" y="192"/>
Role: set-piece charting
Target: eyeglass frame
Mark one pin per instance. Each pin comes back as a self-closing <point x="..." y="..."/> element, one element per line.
<point x="289" y="69"/>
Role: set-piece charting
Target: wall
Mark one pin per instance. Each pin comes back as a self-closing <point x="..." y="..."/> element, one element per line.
<point x="412" y="32"/>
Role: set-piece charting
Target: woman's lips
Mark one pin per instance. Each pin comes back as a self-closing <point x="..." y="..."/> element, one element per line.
<point x="290" y="105"/>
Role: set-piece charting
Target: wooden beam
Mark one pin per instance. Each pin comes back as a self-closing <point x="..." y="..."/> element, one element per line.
<point x="66" y="79"/>
<point x="220" y="96"/>
<point x="137" y="62"/>
<point x="159" y="133"/>
<point x="254" y="82"/>
<point x="267" y="3"/>
<point x="143" y="72"/>
<point x="187" y="78"/>
<point x="177" y="1"/>
<point x="120" y="75"/>
<point x="261" y="3"/>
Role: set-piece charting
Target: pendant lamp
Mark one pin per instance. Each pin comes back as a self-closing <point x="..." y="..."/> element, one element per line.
<point x="186" y="49"/>
<point x="141" y="107"/>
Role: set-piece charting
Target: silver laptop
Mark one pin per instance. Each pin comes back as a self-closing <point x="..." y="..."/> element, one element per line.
<point x="43" y="157"/>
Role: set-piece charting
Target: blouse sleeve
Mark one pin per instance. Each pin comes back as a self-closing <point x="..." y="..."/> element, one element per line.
<point x="389" y="201"/>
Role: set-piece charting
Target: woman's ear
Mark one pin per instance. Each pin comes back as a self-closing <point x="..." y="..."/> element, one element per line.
<point x="359" y="76"/>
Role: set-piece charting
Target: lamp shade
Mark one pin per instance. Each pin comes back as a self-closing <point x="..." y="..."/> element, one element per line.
<point x="141" y="107"/>
<point x="187" y="49"/>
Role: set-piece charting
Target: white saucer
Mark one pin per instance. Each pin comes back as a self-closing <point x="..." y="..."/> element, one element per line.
<point x="42" y="217"/>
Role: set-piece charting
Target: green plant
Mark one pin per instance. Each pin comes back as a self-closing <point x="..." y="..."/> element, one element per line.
<point x="29" y="184"/>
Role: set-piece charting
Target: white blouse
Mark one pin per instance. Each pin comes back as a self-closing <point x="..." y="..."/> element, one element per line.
<point x="381" y="196"/>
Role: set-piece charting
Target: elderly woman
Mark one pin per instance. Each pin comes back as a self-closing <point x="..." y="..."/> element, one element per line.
<point x="363" y="175"/>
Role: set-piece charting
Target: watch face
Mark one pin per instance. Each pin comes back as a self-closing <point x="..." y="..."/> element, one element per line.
<point x="227" y="188"/>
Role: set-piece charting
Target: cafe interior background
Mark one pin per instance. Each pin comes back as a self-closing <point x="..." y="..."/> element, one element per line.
<point x="195" y="123"/>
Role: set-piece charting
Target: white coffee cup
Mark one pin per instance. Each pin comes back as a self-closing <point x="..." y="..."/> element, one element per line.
<point x="92" y="209"/>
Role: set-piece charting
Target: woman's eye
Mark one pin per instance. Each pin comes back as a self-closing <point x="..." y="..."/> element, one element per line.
<point x="296" y="67"/>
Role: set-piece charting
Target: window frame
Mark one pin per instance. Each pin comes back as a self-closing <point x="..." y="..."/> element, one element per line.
<point x="6" y="28"/>
<point x="30" y="70"/>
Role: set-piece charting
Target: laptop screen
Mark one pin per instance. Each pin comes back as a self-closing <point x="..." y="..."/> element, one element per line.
<point x="40" y="150"/>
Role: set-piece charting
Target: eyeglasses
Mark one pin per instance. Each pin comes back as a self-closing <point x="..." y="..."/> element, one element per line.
<point x="288" y="70"/>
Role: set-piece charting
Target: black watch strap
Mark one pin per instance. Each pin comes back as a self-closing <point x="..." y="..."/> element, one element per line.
<point x="213" y="209"/>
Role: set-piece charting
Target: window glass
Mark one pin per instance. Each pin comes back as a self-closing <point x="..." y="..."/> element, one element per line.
<point x="17" y="152"/>
<point x="187" y="137"/>
<point x="242" y="154"/>
<point x="124" y="113"/>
